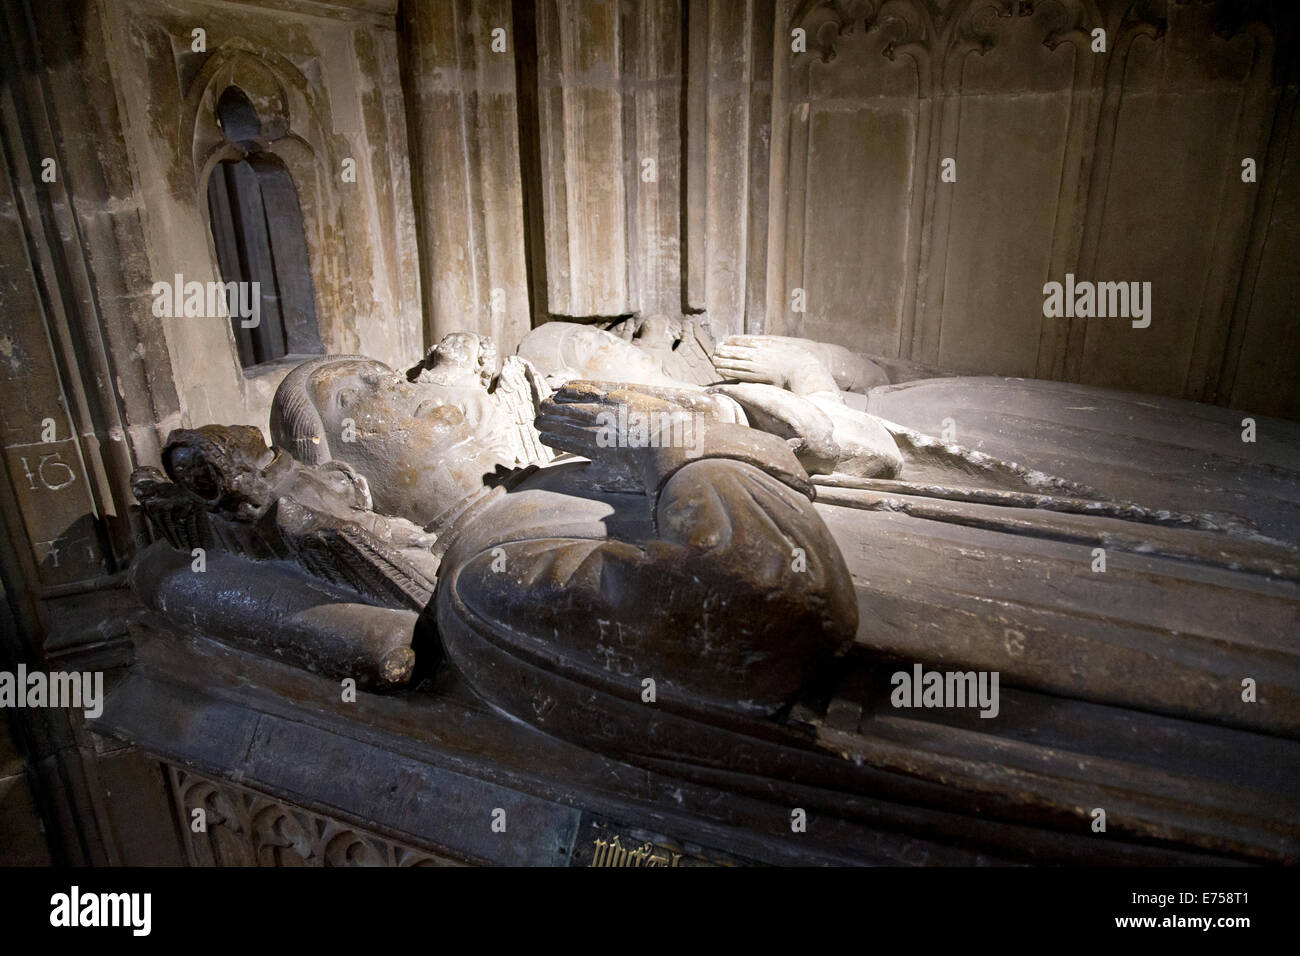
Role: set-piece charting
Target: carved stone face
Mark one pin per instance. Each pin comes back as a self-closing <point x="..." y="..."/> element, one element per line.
<point x="464" y="358"/>
<point x="421" y="448"/>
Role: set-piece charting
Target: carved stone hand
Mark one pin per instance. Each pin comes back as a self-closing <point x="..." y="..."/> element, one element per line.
<point x="801" y="365"/>
<point x="826" y="435"/>
<point x="633" y="432"/>
<point x="771" y="360"/>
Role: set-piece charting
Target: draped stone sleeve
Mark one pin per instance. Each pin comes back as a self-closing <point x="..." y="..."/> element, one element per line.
<point x="729" y="596"/>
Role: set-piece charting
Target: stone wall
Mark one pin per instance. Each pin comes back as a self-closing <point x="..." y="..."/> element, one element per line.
<point x="123" y="105"/>
<point x="461" y="98"/>
<point x="778" y="165"/>
<point x="1123" y="165"/>
<point x="326" y="81"/>
<point x="111" y="137"/>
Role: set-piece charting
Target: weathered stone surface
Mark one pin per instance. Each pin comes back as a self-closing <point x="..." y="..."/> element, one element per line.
<point x="500" y="181"/>
<point x="1116" y="166"/>
<point x="580" y="111"/>
<point x="22" y="834"/>
<point x="330" y="96"/>
<point x="459" y="62"/>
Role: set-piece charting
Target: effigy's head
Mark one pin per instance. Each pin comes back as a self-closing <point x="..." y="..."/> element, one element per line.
<point x="418" y="450"/>
<point x="462" y="356"/>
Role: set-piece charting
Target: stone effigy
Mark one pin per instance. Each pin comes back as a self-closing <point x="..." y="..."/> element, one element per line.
<point x="731" y="607"/>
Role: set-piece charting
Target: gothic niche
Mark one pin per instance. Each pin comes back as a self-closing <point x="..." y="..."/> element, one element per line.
<point x="261" y="245"/>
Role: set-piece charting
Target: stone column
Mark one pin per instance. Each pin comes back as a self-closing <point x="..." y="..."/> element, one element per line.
<point x="652" y="84"/>
<point x="459" y="76"/>
<point x="580" y="131"/>
<point x="728" y="121"/>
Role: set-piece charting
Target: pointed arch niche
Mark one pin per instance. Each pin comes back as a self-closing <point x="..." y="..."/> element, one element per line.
<point x="263" y="171"/>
